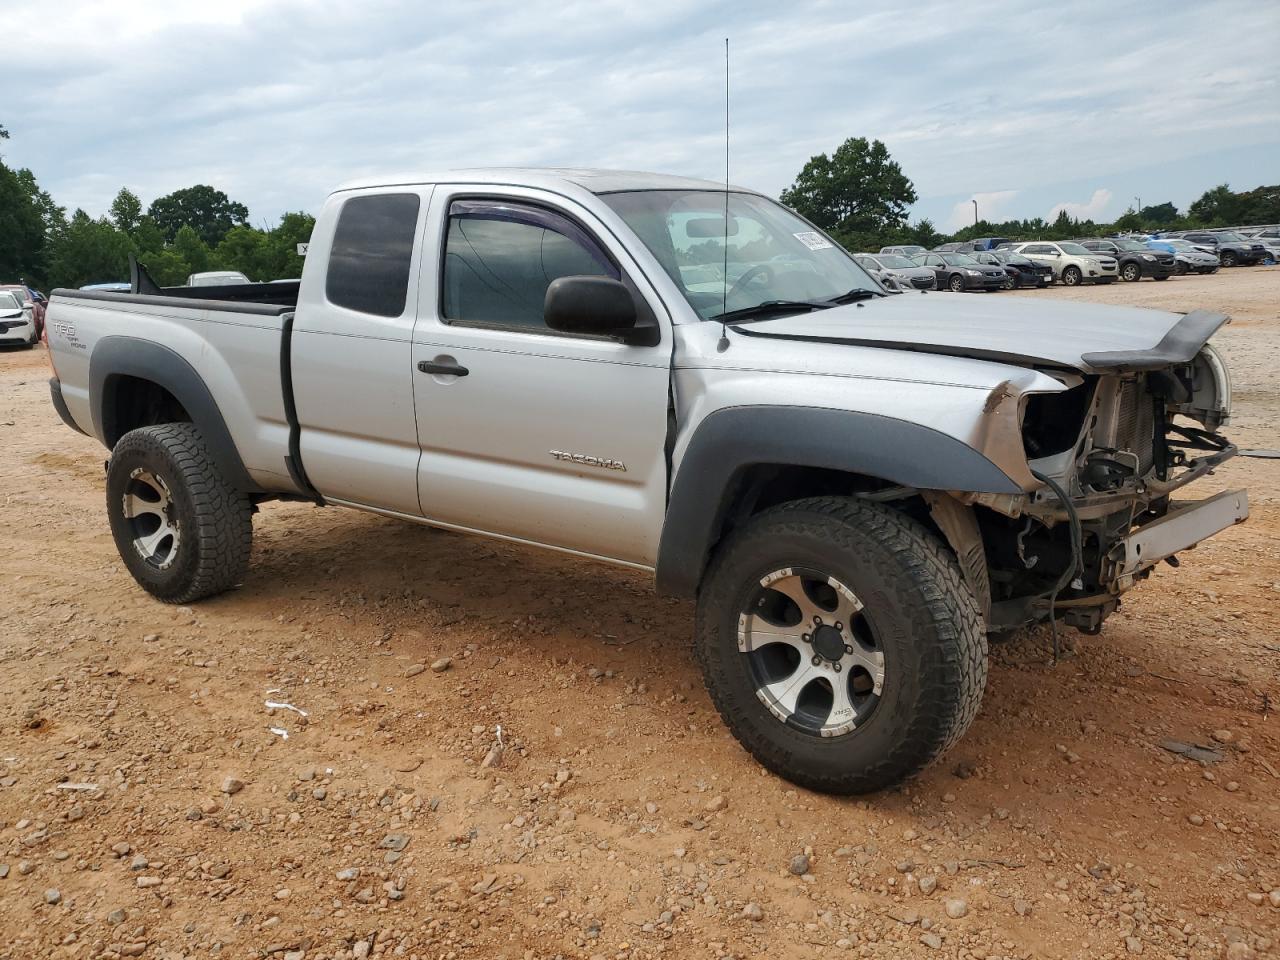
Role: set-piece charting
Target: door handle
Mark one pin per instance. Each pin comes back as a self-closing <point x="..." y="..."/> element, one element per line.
<point x="451" y="369"/>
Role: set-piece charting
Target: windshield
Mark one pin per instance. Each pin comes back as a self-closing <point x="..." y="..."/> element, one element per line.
<point x="1228" y="236"/>
<point x="1130" y="245"/>
<point x="892" y="261"/>
<point x="959" y="260"/>
<point x="1076" y="250"/>
<point x="771" y="255"/>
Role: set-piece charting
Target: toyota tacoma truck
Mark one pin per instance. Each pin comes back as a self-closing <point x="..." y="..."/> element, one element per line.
<point x="685" y="379"/>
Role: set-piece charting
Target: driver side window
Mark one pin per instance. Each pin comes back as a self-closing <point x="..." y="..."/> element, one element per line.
<point x="500" y="257"/>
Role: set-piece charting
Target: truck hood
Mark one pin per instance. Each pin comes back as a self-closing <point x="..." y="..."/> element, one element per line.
<point x="1052" y="333"/>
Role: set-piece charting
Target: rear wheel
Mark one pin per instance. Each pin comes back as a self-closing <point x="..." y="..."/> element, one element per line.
<point x="1071" y="276"/>
<point x="1130" y="272"/>
<point x="956" y="283"/>
<point x="1165" y="277"/>
<point x="182" y="530"/>
<point x="840" y="643"/>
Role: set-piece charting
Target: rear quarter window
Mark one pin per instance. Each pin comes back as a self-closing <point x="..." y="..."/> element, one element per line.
<point x="372" y="253"/>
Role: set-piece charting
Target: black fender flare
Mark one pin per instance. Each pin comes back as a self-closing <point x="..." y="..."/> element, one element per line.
<point x="132" y="357"/>
<point x="734" y="439"/>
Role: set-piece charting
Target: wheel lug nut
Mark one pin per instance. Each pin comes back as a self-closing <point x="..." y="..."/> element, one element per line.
<point x="807" y="639"/>
<point x="848" y="649"/>
<point x="838" y="625"/>
<point x="836" y="667"/>
<point x="817" y="661"/>
<point x="817" y="620"/>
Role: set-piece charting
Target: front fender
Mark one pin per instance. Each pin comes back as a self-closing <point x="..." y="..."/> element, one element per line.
<point x="731" y="440"/>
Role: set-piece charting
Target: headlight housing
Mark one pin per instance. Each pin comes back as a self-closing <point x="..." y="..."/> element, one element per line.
<point x="1148" y="257"/>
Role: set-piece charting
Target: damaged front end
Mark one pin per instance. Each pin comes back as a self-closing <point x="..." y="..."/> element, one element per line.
<point x="1104" y="457"/>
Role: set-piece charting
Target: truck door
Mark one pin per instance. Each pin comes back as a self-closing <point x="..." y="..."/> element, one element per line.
<point x="351" y="348"/>
<point x="527" y="432"/>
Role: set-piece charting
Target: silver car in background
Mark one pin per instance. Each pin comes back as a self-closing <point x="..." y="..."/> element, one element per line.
<point x="909" y="275"/>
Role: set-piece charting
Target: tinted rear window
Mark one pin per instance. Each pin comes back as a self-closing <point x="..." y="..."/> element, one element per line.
<point x="372" y="252"/>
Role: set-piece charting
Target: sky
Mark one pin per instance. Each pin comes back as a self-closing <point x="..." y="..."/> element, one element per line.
<point x="1028" y="109"/>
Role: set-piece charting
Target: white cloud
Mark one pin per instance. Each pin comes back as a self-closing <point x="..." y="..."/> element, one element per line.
<point x="992" y="207"/>
<point x="1094" y="209"/>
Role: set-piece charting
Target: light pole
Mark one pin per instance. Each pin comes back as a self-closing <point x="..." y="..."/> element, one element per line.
<point x="1138" y="208"/>
<point x="975" y="212"/>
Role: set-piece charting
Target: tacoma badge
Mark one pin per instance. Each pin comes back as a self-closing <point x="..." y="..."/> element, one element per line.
<point x="582" y="458"/>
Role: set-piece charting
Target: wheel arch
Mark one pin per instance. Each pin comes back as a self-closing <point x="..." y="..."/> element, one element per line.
<point x="136" y="383"/>
<point x="744" y="459"/>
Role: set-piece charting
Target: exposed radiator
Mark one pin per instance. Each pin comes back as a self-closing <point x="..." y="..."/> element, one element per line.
<point x="1136" y="424"/>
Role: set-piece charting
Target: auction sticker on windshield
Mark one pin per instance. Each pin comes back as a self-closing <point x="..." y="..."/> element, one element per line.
<point x="813" y="240"/>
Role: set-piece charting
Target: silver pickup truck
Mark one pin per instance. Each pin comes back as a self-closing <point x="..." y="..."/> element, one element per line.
<point x="856" y="488"/>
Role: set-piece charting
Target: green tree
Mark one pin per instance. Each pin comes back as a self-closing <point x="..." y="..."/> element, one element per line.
<point x="1216" y="207"/>
<point x="857" y="193"/>
<point x="1160" y="214"/>
<point x="246" y="249"/>
<point x="165" y="267"/>
<point x="209" y="212"/>
<point x="89" y="251"/>
<point x="126" y="210"/>
<point x="188" y="245"/>
<point x="1260" y="205"/>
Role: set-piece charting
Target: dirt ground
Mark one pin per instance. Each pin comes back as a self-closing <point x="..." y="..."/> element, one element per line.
<point x="148" y="808"/>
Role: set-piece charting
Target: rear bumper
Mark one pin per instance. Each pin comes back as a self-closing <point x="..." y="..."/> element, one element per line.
<point x="1186" y="524"/>
<point x="59" y="404"/>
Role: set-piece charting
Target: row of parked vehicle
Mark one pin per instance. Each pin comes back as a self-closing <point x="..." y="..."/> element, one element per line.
<point x="21" y="315"/>
<point x="1000" y="263"/>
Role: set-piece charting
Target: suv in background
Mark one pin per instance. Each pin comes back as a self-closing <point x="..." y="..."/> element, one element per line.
<point x="1070" y="262"/>
<point x="1136" y="260"/>
<point x="906" y="250"/>
<point x="1232" y="249"/>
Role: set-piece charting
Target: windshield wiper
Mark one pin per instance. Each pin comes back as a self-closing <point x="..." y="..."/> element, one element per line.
<point x="857" y="293"/>
<point x="761" y="310"/>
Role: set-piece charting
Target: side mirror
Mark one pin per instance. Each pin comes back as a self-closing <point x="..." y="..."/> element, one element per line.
<point x="591" y="305"/>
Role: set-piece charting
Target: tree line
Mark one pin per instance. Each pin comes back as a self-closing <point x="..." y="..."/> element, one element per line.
<point x="188" y="231"/>
<point x="859" y="194"/>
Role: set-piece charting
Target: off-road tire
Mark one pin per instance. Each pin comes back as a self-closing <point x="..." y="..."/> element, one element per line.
<point x="215" y="519"/>
<point x="935" y="649"/>
<point x="1071" y="276"/>
<point x="1130" y="273"/>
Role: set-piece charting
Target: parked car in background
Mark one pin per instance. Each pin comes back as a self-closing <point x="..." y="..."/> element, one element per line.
<point x="32" y="301"/>
<point x="1270" y="245"/>
<point x="1020" y="271"/>
<point x="1070" y="262"/>
<point x="1232" y="249"/>
<point x="217" y="278"/>
<point x="952" y="247"/>
<point x="988" y="243"/>
<point x="905" y="250"/>
<point x="906" y="272"/>
<point x="1136" y="260"/>
<point x="1187" y="257"/>
<point x="17" y="326"/>
<point x="959" y="272"/>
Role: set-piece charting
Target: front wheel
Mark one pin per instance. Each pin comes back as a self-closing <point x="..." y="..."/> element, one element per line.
<point x="1130" y="272"/>
<point x="1228" y="259"/>
<point x="956" y="283"/>
<point x="840" y="643"/>
<point x="1071" y="276"/>
<point x="1180" y="268"/>
<point x="182" y="530"/>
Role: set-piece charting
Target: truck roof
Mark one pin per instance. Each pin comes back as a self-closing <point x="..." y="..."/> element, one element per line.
<point x="592" y="180"/>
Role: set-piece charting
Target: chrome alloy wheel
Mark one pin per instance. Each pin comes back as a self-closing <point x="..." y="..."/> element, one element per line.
<point x="150" y="512"/>
<point x="814" y="656"/>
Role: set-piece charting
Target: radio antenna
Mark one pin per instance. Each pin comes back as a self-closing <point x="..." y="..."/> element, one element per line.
<point x="723" y="345"/>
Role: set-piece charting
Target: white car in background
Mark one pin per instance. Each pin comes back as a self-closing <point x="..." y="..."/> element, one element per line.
<point x="217" y="278"/>
<point x="17" y="325"/>
<point x="1071" y="263"/>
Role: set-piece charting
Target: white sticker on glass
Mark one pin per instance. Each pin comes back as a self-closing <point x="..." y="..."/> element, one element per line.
<point x="813" y="240"/>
